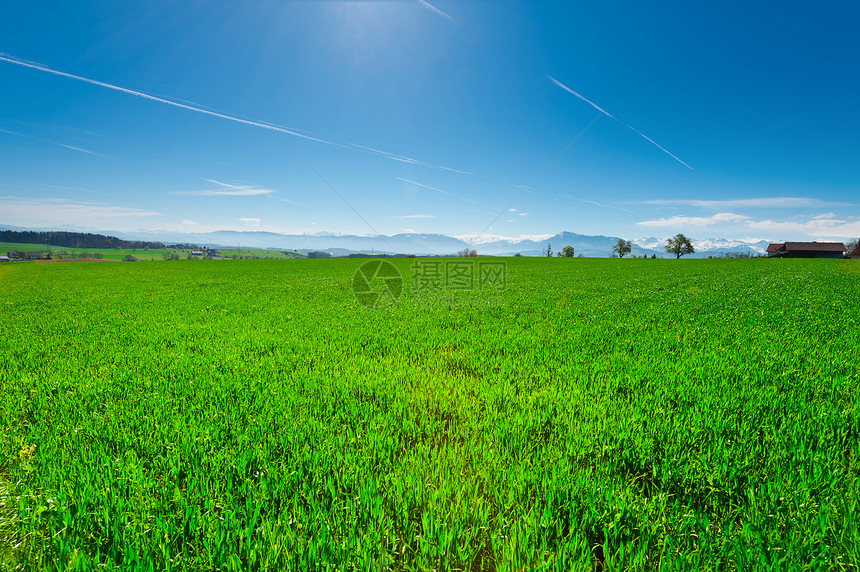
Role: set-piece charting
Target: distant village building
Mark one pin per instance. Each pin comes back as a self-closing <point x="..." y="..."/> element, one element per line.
<point x="856" y="252"/>
<point x="5" y="259"/>
<point x="806" y="250"/>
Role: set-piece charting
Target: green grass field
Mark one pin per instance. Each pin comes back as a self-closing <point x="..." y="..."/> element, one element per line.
<point x="107" y="253"/>
<point x="140" y="254"/>
<point x="259" y="253"/>
<point x="598" y="415"/>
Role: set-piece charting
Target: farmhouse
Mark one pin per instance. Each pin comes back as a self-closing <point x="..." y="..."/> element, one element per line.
<point x="806" y="250"/>
<point x="5" y="259"/>
<point x="773" y="248"/>
<point x="856" y="252"/>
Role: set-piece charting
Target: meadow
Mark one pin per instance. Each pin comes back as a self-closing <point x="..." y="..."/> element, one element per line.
<point x="140" y="254"/>
<point x="598" y="415"/>
<point x="106" y="253"/>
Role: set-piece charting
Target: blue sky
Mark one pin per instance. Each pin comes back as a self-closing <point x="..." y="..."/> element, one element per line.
<point x="734" y="120"/>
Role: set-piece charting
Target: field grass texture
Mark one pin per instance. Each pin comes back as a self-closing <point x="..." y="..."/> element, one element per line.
<point x="601" y="415"/>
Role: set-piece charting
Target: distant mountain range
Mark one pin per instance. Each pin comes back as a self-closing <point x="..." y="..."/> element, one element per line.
<point x="440" y="244"/>
<point x="433" y="244"/>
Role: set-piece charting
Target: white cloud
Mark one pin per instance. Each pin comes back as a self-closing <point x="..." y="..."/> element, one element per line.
<point x="819" y="227"/>
<point x="228" y="190"/>
<point x="49" y="212"/>
<point x="823" y="225"/>
<point x="188" y="222"/>
<point x="512" y="210"/>
<point x="251" y="221"/>
<point x="680" y="220"/>
<point x="761" y="202"/>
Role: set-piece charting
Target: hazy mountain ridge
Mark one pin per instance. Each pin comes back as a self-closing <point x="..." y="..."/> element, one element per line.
<point x="436" y="244"/>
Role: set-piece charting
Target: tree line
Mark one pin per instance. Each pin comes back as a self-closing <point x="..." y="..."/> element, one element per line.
<point x="679" y="245"/>
<point x="74" y="240"/>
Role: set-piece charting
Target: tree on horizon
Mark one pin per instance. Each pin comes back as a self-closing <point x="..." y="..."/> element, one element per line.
<point x="622" y="247"/>
<point x="679" y="245"/>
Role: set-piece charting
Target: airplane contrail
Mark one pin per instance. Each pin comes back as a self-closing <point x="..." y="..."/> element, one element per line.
<point x="435" y="189"/>
<point x="425" y="186"/>
<point x="52" y="142"/>
<point x="607" y="114"/>
<point x="269" y="126"/>
<point x="539" y="175"/>
<point x="7" y="58"/>
<point x="435" y="10"/>
<point x="597" y="204"/>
